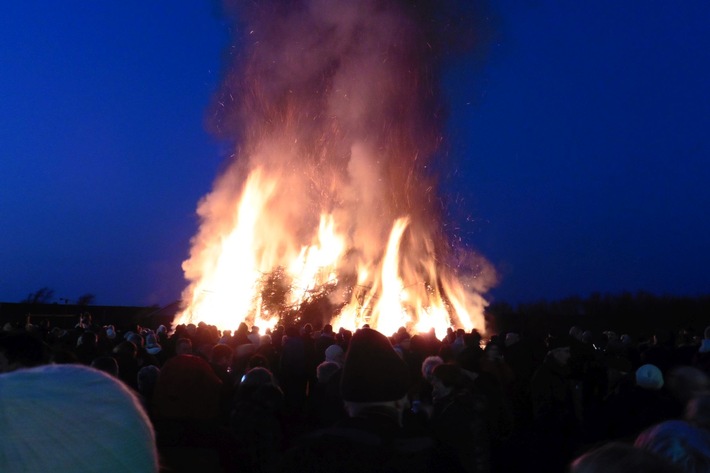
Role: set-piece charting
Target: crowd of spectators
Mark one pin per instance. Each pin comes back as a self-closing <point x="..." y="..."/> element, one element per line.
<point x="96" y="398"/>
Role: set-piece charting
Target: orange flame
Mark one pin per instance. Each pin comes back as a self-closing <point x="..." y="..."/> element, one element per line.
<point x="393" y="290"/>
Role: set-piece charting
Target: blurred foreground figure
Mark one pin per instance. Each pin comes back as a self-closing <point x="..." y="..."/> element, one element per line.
<point x="684" y="445"/>
<point x="618" y="457"/>
<point x="72" y="418"/>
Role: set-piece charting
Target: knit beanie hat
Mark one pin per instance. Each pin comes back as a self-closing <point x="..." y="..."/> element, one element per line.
<point x="72" y="418"/>
<point x="649" y="377"/>
<point x="373" y="372"/>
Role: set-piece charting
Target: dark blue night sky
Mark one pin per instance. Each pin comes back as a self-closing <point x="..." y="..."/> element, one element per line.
<point x="578" y="156"/>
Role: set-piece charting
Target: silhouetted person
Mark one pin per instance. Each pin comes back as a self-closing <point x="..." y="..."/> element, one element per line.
<point x="125" y="355"/>
<point x="221" y="364"/>
<point x="458" y="422"/>
<point x="183" y="346"/>
<point x="185" y="410"/>
<point x="639" y="402"/>
<point x="256" y="423"/>
<point x="87" y="347"/>
<point x="107" y="364"/>
<point x="374" y="384"/>
<point x="20" y="349"/>
<point x="293" y="373"/>
<point x="324" y="400"/>
<point x="555" y="422"/>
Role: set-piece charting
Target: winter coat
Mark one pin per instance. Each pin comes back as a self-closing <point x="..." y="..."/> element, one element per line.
<point x="460" y="428"/>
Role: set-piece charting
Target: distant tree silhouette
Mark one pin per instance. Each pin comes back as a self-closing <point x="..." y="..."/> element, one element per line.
<point x="641" y="313"/>
<point x="43" y="295"/>
<point x="86" y="299"/>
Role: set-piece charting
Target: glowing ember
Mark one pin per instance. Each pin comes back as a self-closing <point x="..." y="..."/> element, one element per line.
<point x="330" y="205"/>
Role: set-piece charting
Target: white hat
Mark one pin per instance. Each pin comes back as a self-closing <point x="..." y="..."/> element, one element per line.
<point x="151" y="345"/>
<point x="71" y="411"/>
<point x="335" y="354"/>
<point x="110" y="332"/>
<point x="649" y="377"/>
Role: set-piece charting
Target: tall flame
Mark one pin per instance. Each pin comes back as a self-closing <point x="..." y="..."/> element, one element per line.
<point x="331" y="196"/>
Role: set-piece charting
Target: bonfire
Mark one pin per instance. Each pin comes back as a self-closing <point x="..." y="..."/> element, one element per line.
<point x="328" y="209"/>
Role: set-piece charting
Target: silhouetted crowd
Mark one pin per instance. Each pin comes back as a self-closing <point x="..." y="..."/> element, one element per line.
<point x="295" y="399"/>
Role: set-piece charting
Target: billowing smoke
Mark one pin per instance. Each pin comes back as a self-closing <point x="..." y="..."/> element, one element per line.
<point x="335" y="109"/>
